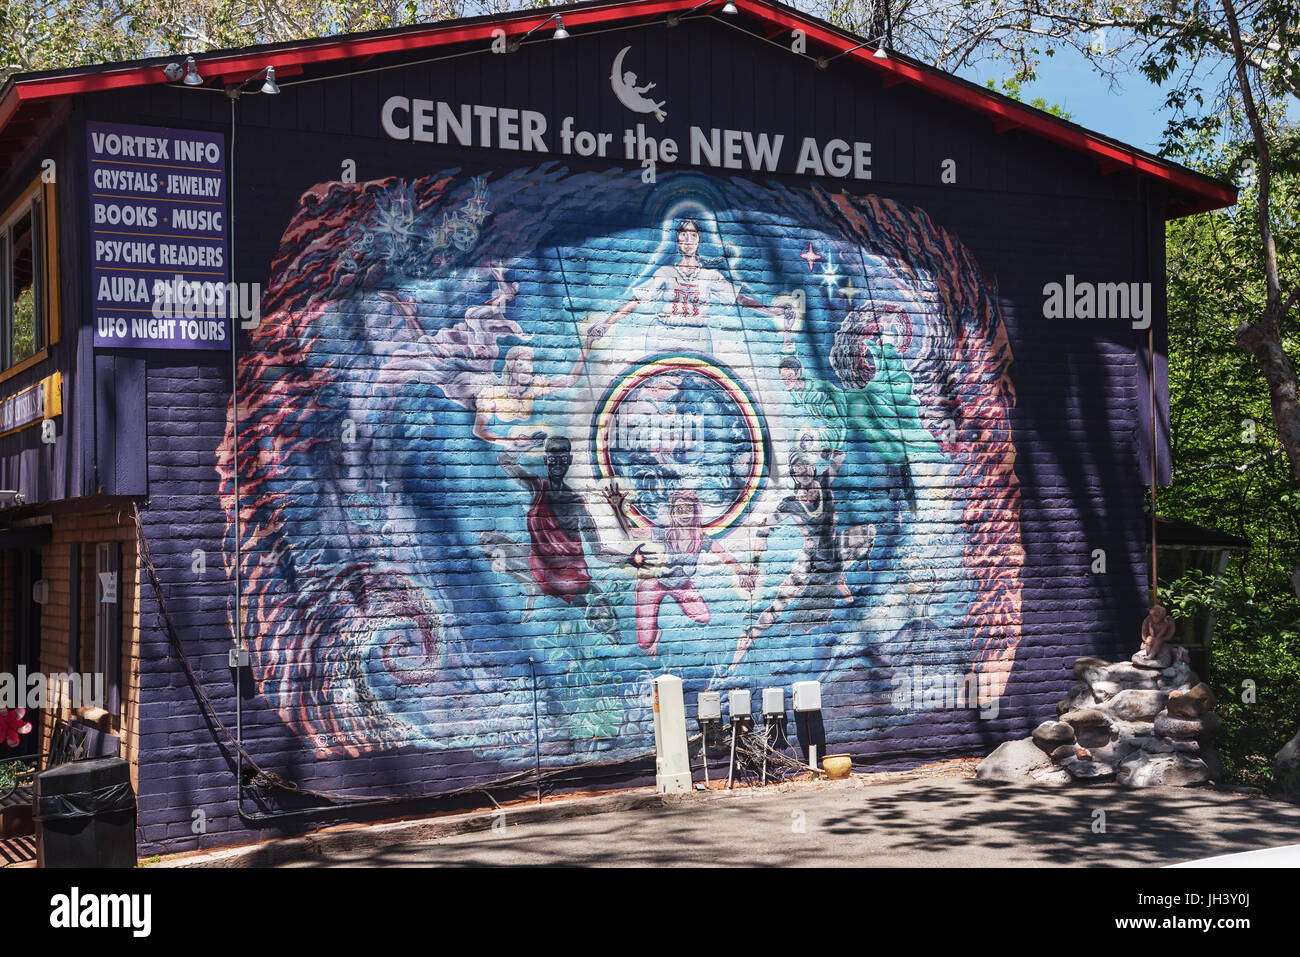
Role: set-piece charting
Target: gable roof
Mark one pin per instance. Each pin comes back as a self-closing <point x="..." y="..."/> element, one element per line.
<point x="25" y="98"/>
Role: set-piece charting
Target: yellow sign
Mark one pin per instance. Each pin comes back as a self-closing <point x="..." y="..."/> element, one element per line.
<point x="39" y="401"/>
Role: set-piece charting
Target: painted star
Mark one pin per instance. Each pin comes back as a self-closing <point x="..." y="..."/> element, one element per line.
<point x="849" y="291"/>
<point x="830" y="275"/>
<point x="810" y="257"/>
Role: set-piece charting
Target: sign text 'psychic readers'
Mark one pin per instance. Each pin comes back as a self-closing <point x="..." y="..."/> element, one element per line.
<point x="160" y="260"/>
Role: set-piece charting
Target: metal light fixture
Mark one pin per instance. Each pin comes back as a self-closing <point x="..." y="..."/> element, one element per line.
<point x="559" y="34"/>
<point x="880" y="54"/>
<point x="728" y="8"/>
<point x="236" y="90"/>
<point x="192" y="77"/>
<point x="173" y="72"/>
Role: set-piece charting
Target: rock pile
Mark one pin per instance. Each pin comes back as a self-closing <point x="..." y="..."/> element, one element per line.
<point x="1286" y="768"/>
<point x="1142" y="722"/>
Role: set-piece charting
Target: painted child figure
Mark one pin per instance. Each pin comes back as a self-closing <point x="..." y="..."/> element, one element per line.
<point x="670" y="570"/>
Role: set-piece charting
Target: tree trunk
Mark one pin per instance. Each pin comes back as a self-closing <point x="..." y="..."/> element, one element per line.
<point x="1283" y="387"/>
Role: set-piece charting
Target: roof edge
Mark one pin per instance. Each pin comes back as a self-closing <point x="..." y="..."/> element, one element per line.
<point x="1196" y="191"/>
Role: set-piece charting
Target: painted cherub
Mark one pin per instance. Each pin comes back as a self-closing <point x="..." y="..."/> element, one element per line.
<point x="1157" y="629"/>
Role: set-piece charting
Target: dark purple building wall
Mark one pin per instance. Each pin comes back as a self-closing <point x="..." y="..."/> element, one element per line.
<point x="1024" y="212"/>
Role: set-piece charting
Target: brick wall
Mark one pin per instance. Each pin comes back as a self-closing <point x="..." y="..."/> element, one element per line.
<point x="83" y="531"/>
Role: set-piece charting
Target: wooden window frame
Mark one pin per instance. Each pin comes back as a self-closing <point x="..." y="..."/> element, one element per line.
<point x="40" y="198"/>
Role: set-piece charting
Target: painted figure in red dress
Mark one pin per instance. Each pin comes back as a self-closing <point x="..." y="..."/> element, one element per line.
<point x="559" y="528"/>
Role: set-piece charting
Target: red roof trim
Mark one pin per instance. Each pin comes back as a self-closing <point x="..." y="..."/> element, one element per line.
<point x="290" y="60"/>
<point x="1007" y="113"/>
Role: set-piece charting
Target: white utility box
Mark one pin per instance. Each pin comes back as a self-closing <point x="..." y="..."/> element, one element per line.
<point x="807" y="696"/>
<point x="672" y="763"/>
<point x="739" y="704"/>
<point x="773" y="702"/>
<point x="708" y="706"/>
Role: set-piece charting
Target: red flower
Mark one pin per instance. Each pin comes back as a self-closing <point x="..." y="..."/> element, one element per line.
<point x="12" y="724"/>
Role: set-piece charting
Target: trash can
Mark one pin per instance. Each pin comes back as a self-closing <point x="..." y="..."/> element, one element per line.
<point x="85" y="815"/>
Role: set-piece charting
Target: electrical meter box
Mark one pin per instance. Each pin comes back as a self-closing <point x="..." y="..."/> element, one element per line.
<point x="773" y="702"/>
<point x="739" y="703"/>
<point x="807" y="696"/>
<point x="708" y="706"/>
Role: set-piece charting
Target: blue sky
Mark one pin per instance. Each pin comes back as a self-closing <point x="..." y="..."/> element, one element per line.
<point x="1132" y="112"/>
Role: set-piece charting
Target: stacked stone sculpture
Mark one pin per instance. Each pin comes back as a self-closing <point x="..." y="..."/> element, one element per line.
<point x="1143" y="722"/>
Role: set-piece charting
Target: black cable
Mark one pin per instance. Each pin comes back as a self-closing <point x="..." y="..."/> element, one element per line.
<point x="271" y="779"/>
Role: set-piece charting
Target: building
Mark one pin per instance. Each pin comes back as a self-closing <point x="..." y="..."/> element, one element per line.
<point x="672" y="339"/>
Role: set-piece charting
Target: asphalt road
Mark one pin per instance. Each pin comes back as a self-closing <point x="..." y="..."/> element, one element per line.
<point x="933" y="822"/>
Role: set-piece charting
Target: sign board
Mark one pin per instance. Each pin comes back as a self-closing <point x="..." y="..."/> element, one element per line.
<point x="158" y="233"/>
<point x="40" y="400"/>
<point x="108" y="588"/>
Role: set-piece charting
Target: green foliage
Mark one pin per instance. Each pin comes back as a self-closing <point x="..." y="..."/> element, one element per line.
<point x="1230" y="471"/>
<point x="24" y="331"/>
<point x="50" y="34"/>
<point x="1011" y="87"/>
<point x="13" y="773"/>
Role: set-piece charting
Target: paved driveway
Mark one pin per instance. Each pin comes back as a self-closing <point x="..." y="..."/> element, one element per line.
<point x="934" y="822"/>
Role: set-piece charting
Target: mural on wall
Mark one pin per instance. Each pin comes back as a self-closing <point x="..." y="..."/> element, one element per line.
<point x="739" y="431"/>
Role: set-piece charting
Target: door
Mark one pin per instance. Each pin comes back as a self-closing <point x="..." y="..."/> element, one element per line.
<point x="27" y="638"/>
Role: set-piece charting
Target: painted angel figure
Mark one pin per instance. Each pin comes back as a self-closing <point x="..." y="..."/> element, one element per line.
<point x="460" y="362"/>
<point x="684" y="291"/>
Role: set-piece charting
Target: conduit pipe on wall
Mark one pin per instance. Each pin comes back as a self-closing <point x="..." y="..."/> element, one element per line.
<point x="239" y="651"/>
<point x="537" y="735"/>
<point x="1151" y="385"/>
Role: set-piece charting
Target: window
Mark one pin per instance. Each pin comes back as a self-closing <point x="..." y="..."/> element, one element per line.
<point x="28" y="296"/>
<point x="108" y="619"/>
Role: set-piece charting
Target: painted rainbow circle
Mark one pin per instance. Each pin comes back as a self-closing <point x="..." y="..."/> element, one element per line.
<point x="748" y="418"/>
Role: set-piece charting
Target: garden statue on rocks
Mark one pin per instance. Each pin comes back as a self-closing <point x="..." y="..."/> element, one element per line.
<point x="1286" y="768"/>
<point x="1146" y="721"/>
<point x="1157" y="629"/>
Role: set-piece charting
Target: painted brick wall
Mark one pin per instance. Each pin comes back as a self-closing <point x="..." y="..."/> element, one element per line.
<point x="388" y="553"/>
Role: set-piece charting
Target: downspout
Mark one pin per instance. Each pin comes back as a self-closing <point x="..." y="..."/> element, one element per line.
<point x="240" y="652"/>
<point x="1151" y="384"/>
<point x="1151" y="378"/>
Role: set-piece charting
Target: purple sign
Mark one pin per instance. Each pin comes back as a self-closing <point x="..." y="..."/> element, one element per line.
<point x="159" y="256"/>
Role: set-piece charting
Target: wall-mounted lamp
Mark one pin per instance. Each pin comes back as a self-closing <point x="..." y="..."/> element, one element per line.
<point x="880" y="54"/>
<point x="269" y="86"/>
<point x="192" y="77"/>
<point x="559" y="34"/>
<point x="187" y="73"/>
<point x="728" y="8"/>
